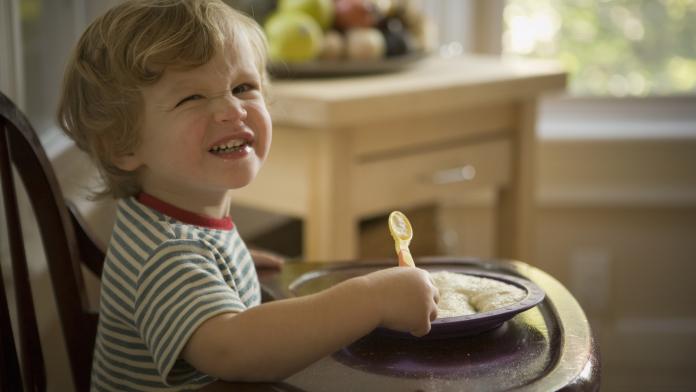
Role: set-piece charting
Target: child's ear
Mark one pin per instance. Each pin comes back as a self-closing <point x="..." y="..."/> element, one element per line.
<point x="128" y="162"/>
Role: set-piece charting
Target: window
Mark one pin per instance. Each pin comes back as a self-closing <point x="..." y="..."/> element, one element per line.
<point x="610" y="47"/>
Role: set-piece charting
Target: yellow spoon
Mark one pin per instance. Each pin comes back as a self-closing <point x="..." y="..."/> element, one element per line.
<point x="402" y="232"/>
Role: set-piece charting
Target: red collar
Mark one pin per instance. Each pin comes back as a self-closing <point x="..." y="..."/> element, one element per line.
<point x="183" y="215"/>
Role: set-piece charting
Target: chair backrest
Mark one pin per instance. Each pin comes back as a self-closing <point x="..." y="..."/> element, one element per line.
<point x="67" y="243"/>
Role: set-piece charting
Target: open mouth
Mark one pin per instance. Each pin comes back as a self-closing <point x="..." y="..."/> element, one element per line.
<point x="233" y="145"/>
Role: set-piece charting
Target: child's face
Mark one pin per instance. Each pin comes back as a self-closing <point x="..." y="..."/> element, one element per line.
<point x="206" y="130"/>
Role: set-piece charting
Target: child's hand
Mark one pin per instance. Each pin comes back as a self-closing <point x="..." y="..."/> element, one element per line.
<point x="406" y="298"/>
<point x="264" y="259"/>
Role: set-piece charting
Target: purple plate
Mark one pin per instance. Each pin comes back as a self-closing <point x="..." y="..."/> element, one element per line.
<point x="442" y="328"/>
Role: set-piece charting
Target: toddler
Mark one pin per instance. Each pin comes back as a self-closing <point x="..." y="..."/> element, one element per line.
<point x="168" y="98"/>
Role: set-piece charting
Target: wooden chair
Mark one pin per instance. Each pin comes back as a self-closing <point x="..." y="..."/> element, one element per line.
<point x="67" y="244"/>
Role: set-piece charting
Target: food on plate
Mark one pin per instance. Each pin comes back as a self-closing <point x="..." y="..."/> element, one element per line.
<point x="462" y="294"/>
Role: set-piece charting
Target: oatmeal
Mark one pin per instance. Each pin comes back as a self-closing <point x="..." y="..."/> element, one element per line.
<point x="466" y="294"/>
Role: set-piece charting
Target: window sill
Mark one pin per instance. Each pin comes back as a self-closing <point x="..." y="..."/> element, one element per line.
<point x="573" y="118"/>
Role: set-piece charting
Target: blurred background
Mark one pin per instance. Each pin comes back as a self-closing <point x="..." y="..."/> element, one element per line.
<point x="616" y="198"/>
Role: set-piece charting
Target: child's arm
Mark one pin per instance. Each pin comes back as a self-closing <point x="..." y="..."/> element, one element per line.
<point x="276" y="339"/>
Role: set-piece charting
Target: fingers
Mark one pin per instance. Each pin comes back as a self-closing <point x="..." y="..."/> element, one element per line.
<point x="421" y="331"/>
<point x="425" y="328"/>
<point x="413" y="306"/>
<point x="433" y="315"/>
<point x="436" y="299"/>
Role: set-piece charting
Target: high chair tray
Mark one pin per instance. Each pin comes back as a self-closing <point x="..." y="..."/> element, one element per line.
<point x="548" y="347"/>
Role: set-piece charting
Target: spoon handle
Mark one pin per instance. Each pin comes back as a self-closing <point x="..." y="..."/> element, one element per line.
<point x="405" y="258"/>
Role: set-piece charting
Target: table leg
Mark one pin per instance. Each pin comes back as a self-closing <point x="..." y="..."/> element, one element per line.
<point x="331" y="227"/>
<point x="515" y="229"/>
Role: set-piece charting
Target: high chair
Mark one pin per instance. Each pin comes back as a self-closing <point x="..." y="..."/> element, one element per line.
<point x="67" y="245"/>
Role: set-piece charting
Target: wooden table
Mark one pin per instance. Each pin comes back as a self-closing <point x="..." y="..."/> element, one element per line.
<point x="348" y="148"/>
<point x="547" y="348"/>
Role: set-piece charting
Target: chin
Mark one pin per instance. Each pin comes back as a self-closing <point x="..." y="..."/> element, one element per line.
<point x="241" y="180"/>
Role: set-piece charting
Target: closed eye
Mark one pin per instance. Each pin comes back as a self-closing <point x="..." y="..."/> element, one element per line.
<point x="189" y="98"/>
<point x="242" y="88"/>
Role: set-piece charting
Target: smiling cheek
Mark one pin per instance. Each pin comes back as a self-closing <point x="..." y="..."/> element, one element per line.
<point x="196" y="130"/>
<point x="186" y="141"/>
<point x="259" y="121"/>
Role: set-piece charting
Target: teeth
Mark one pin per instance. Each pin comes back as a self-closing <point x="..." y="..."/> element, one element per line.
<point x="231" y="145"/>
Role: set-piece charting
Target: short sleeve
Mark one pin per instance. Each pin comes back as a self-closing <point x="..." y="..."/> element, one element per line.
<point x="178" y="289"/>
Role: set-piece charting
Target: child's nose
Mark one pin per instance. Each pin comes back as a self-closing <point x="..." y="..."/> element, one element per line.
<point x="229" y="108"/>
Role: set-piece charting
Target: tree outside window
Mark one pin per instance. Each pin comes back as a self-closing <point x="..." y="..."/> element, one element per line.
<point x="609" y="47"/>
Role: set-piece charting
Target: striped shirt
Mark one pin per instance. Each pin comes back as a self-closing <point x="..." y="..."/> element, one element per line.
<point x="162" y="278"/>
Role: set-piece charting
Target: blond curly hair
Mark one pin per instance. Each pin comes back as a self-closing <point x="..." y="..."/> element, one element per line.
<point x="128" y="48"/>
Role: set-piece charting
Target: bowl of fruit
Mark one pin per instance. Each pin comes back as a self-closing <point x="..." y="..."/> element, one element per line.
<point x="315" y="38"/>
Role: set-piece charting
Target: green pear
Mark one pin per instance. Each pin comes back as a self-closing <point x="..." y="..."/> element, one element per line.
<point x="293" y="37"/>
<point x="321" y="10"/>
